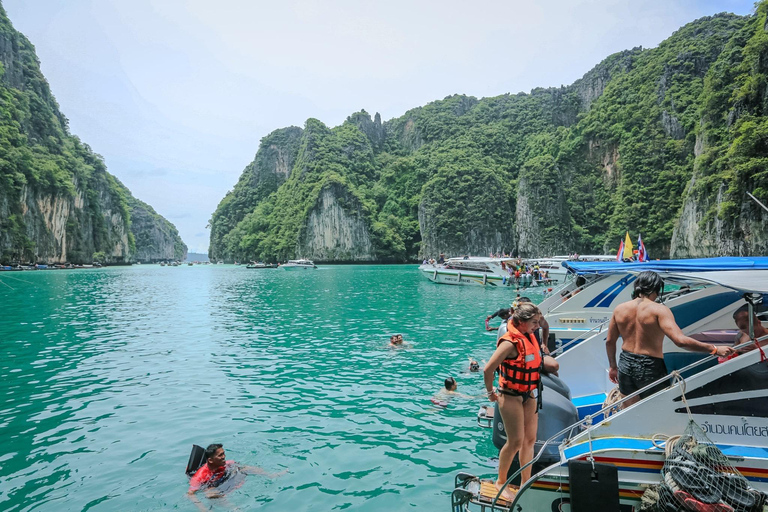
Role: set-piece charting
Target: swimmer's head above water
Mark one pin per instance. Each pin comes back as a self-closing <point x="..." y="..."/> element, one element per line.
<point x="215" y="455"/>
<point x="450" y="384"/>
<point x="474" y="366"/>
<point x="396" y="339"/>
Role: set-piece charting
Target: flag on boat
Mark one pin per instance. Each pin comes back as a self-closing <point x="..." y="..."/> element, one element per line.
<point x="621" y="251"/>
<point x="628" y="247"/>
<point x="642" y="254"/>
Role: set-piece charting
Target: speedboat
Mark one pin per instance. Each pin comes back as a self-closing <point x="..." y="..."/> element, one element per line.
<point x="298" y="264"/>
<point x="260" y="265"/>
<point x="702" y="309"/>
<point x="581" y="308"/>
<point x="617" y="454"/>
<point x="474" y="271"/>
<point x="553" y="265"/>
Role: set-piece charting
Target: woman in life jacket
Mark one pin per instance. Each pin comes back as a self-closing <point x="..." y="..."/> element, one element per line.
<point x="519" y="361"/>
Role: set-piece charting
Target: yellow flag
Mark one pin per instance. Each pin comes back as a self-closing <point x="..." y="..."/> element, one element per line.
<point x="627" y="248"/>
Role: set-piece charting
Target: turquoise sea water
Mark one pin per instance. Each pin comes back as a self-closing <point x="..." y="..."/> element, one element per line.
<point x="110" y="375"/>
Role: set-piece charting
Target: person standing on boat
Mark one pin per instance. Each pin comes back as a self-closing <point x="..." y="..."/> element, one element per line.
<point x="642" y="324"/>
<point x="518" y="359"/>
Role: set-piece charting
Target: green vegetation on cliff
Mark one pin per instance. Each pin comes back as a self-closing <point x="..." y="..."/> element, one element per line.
<point x="557" y="170"/>
<point x="57" y="200"/>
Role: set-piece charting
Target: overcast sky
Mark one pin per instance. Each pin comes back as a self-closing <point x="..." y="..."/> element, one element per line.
<point x="175" y="94"/>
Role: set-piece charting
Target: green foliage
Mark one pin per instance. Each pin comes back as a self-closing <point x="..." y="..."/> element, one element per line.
<point x="614" y="152"/>
<point x="40" y="159"/>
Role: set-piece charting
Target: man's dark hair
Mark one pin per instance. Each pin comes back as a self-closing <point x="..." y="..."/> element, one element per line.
<point x="449" y="382"/>
<point x="524" y="299"/>
<point x="647" y="283"/>
<point x="743" y="309"/>
<point x="212" y="449"/>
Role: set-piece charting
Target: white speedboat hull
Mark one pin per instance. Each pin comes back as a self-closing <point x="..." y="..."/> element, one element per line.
<point x="446" y="276"/>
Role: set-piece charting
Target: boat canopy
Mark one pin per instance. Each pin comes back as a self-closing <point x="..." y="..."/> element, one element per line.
<point x="676" y="266"/>
<point x="751" y="281"/>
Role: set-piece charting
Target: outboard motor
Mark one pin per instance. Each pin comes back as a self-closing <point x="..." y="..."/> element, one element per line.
<point x="556" y="413"/>
<point x="554" y="383"/>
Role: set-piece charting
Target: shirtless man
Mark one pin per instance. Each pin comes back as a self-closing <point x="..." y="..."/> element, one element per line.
<point x="642" y="324"/>
<point x="741" y="317"/>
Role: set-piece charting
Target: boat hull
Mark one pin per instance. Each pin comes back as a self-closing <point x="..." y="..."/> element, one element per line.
<point x="637" y="470"/>
<point x="443" y="276"/>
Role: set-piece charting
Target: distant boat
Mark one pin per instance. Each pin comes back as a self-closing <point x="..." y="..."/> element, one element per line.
<point x="298" y="264"/>
<point x="219" y="262"/>
<point x="256" y="265"/>
<point x="190" y="264"/>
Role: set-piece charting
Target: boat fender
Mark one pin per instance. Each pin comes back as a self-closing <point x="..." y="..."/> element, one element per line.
<point x="458" y="274"/>
<point x="485" y="279"/>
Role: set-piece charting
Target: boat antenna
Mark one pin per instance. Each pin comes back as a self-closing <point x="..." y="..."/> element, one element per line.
<point x="758" y="201"/>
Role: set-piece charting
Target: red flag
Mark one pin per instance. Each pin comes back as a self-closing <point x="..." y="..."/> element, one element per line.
<point x="621" y="251"/>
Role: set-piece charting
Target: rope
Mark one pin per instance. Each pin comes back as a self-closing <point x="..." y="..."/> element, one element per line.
<point x="611" y="398"/>
<point x="669" y="443"/>
<point x="677" y="378"/>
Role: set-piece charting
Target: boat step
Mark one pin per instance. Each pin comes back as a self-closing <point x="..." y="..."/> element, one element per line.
<point x="472" y="490"/>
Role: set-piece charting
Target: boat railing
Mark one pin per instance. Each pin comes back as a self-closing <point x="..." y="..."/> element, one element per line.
<point x="570" y="294"/>
<point x="581" y="337"/>
<point x="585" y="423"/>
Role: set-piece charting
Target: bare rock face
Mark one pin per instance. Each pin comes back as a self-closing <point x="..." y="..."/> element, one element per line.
<point x="335" y="229"/>
<point x="697" y="237"/>
<point x="64" y="228"/>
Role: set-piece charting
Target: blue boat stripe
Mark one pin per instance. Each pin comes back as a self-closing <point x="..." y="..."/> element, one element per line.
<point x="610" y="293"/>
<point x="607" y="301"/>
<point x="581" y="401"/>
<point x="631" y="443"/>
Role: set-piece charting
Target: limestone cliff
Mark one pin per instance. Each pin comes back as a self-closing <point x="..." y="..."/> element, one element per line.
<point x="156" y="238"/>
<point x="644" y="142"/>
<point x="270" y="168"/>
<point x="58" y="203"/>
<point x="718" y="217"/>
<point x="335" y="229"/>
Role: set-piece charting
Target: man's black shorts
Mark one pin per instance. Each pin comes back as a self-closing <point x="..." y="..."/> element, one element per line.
<point x="637" y="371"/>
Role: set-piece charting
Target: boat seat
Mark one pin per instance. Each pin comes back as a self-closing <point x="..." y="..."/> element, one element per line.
<point x="718" y="337"/>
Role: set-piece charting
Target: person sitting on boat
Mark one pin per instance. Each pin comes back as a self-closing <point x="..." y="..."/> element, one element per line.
<point x="580" y="281"/>
<point x="741" y="317"/>
<point x="518" y="359"/>
<point x="503" y="313"/>
<point x="441" y="259"/>
<point x="642" y="323"/>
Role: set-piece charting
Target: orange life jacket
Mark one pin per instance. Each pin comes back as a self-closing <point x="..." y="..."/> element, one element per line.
<point x="522" y="374"/>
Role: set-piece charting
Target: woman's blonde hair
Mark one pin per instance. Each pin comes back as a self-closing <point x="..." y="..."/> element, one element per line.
<point x="524" y="312"/>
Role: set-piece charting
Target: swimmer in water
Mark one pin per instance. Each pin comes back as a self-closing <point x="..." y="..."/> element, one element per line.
<point x="396" y="340"/>
<point x="474" y="366"/>
<point x="215" y="471"/>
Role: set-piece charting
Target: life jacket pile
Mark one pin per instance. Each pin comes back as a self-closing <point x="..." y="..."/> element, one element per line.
<point x="523" y="374"/>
